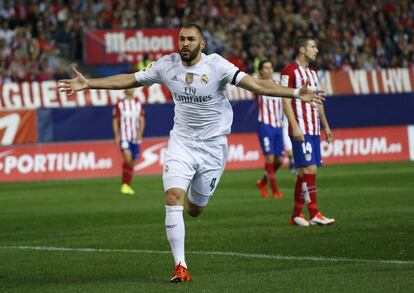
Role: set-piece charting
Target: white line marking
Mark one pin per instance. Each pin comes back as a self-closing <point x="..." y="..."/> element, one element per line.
<point x="237" y="254"/>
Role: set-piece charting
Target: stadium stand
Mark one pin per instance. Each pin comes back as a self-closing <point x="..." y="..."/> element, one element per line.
<point x="39" y="38"/>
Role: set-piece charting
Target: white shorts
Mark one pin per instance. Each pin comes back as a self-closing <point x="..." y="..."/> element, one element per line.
<point x="194" y="163"/>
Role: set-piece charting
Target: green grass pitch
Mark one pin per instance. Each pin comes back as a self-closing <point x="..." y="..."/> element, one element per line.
<point x="83" y="236"/>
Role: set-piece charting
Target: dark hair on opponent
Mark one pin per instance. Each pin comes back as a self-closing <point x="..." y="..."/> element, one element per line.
<point x="262" y="63"/>
<point x="300" y="42"/>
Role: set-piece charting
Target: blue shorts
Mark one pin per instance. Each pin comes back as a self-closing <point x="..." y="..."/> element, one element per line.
<point x="308" y="152"/>
<point x="271" y="139"/>
<point x="133" y="147"/>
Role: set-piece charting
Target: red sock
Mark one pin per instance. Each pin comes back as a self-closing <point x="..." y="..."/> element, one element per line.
<point x="310" y="180"/>
<point x="299" y="200"/>
<point x="127" y="172"/>
<point x="268" y="169"/>
<point x="124" y="173"/>
<point x="130" y="172"/>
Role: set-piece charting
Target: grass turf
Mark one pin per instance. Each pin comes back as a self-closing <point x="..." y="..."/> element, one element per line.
<point x="373" y="205"/>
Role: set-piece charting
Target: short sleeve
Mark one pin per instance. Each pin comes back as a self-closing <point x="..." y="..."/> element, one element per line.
<point x="151" y="74"/>
<point x="228" y="72"/>
<point x="287" y="78"/>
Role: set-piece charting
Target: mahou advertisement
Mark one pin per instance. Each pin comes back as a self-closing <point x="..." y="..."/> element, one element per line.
<point x="129" y="46"/>
<point x="103" y="158"/>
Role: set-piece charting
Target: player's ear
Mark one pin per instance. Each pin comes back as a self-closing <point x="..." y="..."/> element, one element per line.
<point x="202" y="43"/>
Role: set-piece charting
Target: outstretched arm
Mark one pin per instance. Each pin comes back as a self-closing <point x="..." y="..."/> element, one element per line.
<point x="268" y="88"/>
<point x="80" y="83"/>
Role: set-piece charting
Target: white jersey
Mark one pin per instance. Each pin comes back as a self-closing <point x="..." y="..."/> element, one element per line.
<point x="202" y="109"/>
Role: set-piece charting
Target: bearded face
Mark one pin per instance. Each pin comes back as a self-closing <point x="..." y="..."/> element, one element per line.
<point x="188" y="54"/>
<point x="190" y="44"/>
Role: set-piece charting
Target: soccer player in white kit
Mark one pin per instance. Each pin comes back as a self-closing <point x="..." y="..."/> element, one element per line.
<point x="197" y="147"/>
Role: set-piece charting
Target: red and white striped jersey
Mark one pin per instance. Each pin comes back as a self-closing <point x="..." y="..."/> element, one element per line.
<point x="306" y="114"/>
<point x="270" y="110"/>
<point x="128" y="112"/>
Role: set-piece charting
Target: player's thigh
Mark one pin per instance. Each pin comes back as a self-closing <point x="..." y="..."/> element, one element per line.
<point x="125" y="150"/>
<point x="179" y="164"/>
<point x="203" y="186"/>
<point x="307" y="152"/>
<point x="207" y="177"/>
<point x="266" y="138"/>
<point x="134" y="148"/>
<point x="278" y="145"/>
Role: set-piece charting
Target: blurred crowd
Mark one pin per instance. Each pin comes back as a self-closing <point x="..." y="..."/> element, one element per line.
<point x="36" y="35"/>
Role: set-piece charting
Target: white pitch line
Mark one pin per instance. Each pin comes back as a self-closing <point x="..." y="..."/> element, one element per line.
<point x="217" y="253"/>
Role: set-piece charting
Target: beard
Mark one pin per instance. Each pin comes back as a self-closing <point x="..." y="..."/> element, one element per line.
<point x="192" y="54"/>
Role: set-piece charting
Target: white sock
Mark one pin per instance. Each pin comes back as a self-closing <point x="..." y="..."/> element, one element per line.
<point x="174" y="225"/>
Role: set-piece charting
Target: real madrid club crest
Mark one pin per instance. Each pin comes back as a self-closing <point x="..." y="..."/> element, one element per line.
<point x="204" y="79"/>
<point x="189" y="78"/>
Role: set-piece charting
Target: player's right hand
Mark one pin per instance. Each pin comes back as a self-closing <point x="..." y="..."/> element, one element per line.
<point x="308" y="95"/>
<point x="297" y="134"/>
<point x="70" y="86"/>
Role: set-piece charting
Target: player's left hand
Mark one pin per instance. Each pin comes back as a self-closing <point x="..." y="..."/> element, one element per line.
<point x="328" y="133"/>
<point x="308" y="95"/>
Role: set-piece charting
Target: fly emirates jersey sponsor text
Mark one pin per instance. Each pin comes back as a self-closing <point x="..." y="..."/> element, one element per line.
<point x="202" y="109"/>
<point x="306" y="114"/>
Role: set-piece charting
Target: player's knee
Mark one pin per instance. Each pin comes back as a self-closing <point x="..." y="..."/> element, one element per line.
<point x="193" y="210"/>
<point x="269" y="159"/>
<point x="278" y="162"/>
<point x="175" y="196"/>
<point x="311" y="169"/>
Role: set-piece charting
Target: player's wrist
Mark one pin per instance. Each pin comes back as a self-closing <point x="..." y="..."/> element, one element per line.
<point x="87" y="84"/>
<point x="296" y="93"/>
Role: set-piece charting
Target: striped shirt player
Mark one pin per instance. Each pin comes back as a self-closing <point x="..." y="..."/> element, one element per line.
<point x="304" y="131"/>
<point x="197" y="147"/>
<point x="128" y="126"/>
<point x="270" y="110"/>
<point x="306" y="115"/>
<point x="270" y="133"/>
<point x="270" y="124"/>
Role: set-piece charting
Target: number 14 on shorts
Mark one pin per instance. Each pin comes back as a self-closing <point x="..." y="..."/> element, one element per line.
<point x="307" y="150"/>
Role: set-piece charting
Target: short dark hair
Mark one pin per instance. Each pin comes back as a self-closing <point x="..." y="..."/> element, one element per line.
<point x="300" y="42"/>
<point x="262" y="63"/>
<point x="196" y="26"/>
